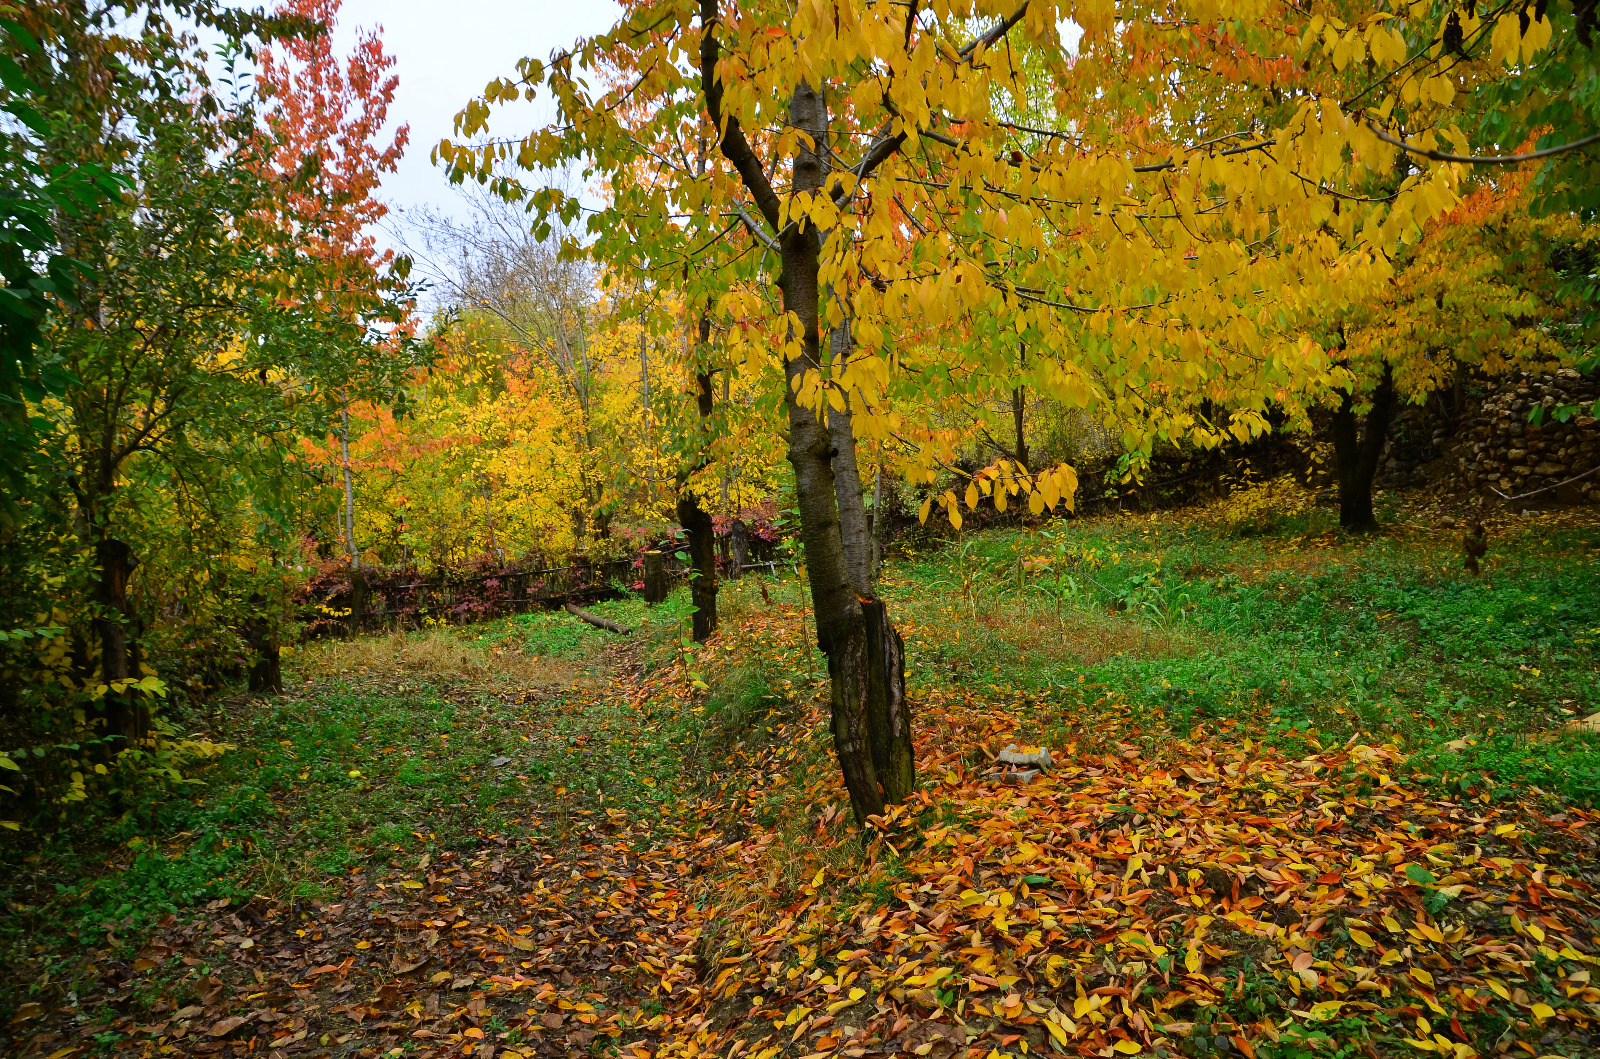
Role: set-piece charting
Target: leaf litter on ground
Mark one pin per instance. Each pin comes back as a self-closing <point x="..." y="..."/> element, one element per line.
<point x="1150" y="895"/>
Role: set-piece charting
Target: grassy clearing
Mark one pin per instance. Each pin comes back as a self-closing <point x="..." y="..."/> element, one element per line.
<point x="1289" y="633"/>
<point x="1161" y="638"/>
<point x="384" y="749"/>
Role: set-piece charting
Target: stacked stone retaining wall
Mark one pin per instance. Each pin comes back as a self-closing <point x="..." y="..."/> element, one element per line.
<point x="1496" y="450"/>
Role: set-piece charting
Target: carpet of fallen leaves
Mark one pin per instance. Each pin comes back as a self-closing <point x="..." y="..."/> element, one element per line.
<point x="1152" y="894"/>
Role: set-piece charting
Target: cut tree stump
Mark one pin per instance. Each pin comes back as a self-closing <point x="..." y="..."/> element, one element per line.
<point x="655" y="577"/>
<point x="597" y="621"/>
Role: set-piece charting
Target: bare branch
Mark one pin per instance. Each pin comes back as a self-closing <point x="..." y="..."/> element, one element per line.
<point x="1470" y="159"/>
<point x="755" y="229"/>
<point x="732" y="140"/>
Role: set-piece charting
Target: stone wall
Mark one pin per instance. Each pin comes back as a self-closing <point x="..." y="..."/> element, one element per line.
<point x="1492" y="446"/>
<point x="1496" y="448"/>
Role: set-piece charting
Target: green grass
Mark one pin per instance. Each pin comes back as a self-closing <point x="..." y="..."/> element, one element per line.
<point x="384" y="749"/>
<point x="1386" y="639"/>
<point x="1288" y="633"/>
<point x="387" y="758"/>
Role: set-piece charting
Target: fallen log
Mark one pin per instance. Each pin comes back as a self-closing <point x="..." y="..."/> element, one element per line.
<point x="596" y="620"/>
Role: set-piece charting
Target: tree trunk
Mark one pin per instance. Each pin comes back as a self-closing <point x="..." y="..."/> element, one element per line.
<point x="696" y="521"/>
<point x="876" y="523"/>
<point x="358" y="601"/>
<point x="1358" y="448"/>
<point x="1019" y="398"/>
<point x="127" y="715"/>
<point x="738" y="548"/>
<point x="266" y="672"/>
<point x="871" y="721"/>
<point x="854" y="530"/>
<point x="694" y="518"/>
<point x="349" y="491"/>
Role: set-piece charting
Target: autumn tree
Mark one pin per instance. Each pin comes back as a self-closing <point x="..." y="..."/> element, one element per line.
<point x="34" y="271"/>
<point x="865" y="156"/>
<point x="1481" y="292"/>
<point x="516" y="292"/>
<point x="324" y="133"/>
<point x="197" y="332"/>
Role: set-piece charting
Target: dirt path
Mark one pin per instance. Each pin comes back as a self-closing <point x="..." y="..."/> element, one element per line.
<point x="511" y="944"/>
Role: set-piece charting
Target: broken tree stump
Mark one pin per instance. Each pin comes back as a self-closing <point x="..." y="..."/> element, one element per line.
<point x="655" y="577"/>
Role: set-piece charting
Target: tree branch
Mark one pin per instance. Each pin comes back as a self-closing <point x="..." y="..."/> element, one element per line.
<point x="732" y="141"/>
<point x="755" y="229"/>
<point x="1469" y="159"/>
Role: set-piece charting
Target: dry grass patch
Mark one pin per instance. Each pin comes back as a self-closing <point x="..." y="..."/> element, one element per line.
<point x="1081" y="636"/>
<point x="433" y="655"/>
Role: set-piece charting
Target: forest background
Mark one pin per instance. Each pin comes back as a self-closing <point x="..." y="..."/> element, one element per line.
<point x="892" y="295"/>
<point x="205" y="431"/>
<point x="848" y="274"/>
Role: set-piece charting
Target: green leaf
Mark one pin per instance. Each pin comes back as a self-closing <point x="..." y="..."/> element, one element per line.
<point x="23" y="37"/>
<point x="1420" y="875"/>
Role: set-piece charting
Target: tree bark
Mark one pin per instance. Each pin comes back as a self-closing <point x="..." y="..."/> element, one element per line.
<point x="1019" y="405"/>
<point x="1019" y="398"/>
<point x="596" y="620"/>
<point x="871" y="719"/>
<point x="876" y="523"/>
<point x="349" y="491"/>
<point x="127" y="715"/>
<point x="358" y="601"/>
<point x="854" y="529"/>
<point x="738" y="548"/>
<point x="696" y="521"/>
<point x="694" y="518"/>
<point x="266" y="670"/>
<point x="1358" y="448"/>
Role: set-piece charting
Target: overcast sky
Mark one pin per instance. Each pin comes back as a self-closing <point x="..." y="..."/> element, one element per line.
<point x="446" y="53"/>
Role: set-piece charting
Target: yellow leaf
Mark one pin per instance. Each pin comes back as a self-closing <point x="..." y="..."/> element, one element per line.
<point x="1504" y="43"/>
<point x="854" y="997"/>
<point x="1422" y="976"/>
<point x="1543" y="1011"/>
<point x="1127" y="1047"/>
<point x="1505" y="829"/>
<point x="1057" y="1032"/>
<point x="1326" y="1009"/>
<point x="411" y="884"/>
<point x="1362" y="938"/>
<point x="1191" y="960"/>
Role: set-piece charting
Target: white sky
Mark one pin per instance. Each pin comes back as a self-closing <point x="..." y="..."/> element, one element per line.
<point x="446" y="53"/>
